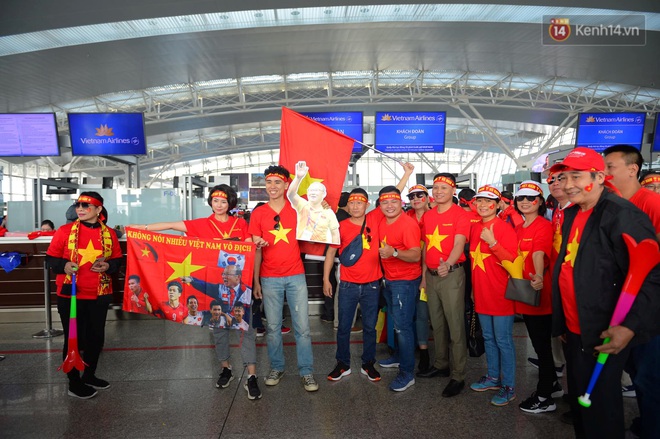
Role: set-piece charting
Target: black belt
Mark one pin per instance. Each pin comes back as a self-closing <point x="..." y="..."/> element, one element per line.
<point x="451" y="269"/>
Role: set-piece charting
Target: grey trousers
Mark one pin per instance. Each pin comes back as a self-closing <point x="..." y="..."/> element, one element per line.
<point x="246" y="340"/>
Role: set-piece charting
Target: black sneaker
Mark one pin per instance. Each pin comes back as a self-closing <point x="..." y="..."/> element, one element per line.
<point x="341" y="370"/>
<point x="370" y="371"/>
<point x="534" y="405"/>
<point x="252" y="388"/>
<point x="96" y="383"/>
<point x="225" y="377"/>
<point x="81" y="390"/>
<point x="557" y="391"/>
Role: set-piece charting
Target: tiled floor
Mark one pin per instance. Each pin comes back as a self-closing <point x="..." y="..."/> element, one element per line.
<point x="163" y="385"/>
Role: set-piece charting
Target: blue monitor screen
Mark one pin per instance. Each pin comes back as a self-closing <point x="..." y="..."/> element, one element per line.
<point x="411" y="132"/>
<point x="348" y="123"/>
<point x="107" y="134"/>
<point x="656" y="134"/>
<point x="599" y="131"/>
<point x="28" y="135"/>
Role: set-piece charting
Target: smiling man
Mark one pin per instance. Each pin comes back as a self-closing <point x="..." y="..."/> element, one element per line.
<point x="587" y="280"/>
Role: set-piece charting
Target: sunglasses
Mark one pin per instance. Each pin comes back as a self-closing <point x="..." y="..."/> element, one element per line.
<point x="276" y="218"/>
<point x="529" y="198"/>
<point x="368" y="230"/>
<point x="416" y="195"/>
<point x="83" y="205"/>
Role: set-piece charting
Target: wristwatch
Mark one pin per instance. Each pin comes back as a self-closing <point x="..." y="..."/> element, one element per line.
<point x="395" y="253"/>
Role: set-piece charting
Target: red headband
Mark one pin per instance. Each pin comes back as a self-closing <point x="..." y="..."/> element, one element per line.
<point x="390" y="196"/>
<point x="650" y="180"/>
<point x="445" y="180"/>
<point x="219" y="194"/>
<point x="358" y="197"/>
<point x="89" y="200"/>
<point x="278" y="175"/>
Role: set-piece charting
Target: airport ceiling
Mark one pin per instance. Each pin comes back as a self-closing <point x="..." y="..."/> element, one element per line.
<point x="211" y="76"/>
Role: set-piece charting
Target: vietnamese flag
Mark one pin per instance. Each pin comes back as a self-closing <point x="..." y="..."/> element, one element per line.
<point x="326" y="151"/>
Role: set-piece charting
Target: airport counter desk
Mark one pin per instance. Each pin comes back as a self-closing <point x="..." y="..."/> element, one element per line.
<point x="27" y="285"/>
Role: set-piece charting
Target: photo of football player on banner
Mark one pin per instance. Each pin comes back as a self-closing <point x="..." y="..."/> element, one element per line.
<point x="188" y="280"/>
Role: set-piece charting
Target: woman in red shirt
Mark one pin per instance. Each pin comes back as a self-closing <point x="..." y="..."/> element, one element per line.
<point x="534" y="247"/>
<point x="90" y="250"/>
<point x="489" y="242"/>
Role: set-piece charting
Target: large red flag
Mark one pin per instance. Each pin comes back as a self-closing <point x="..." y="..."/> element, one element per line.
<point x="326" y="151"/>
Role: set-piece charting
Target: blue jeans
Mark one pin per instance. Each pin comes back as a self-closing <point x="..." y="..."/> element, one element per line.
<point x="350" y="294"/>
<point x="500" y="353"/>
<point x="401" y="298"/>
<point x="274" y="290"/>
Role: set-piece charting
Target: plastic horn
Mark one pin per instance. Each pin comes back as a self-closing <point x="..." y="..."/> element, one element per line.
<point x="73" y="358"/>
<point x="643" y="257"/>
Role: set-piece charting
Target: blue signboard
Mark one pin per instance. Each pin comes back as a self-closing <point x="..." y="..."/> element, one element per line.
<point x="656" y="134"/>
<point x="599" y="131"/>
<point x="348" y="123"/>
<point x="107" y="134"/>
<point x="411" y="132"/>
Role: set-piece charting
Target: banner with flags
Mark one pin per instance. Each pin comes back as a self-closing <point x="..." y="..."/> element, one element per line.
<point x="327" y="153"/>
<point x="189" y="280"/>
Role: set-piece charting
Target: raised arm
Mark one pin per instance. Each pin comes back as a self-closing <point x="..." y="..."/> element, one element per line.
<point x="292" y="193"/>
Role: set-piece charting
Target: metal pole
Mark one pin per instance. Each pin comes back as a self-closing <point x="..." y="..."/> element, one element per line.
<point x="49" y="331"/>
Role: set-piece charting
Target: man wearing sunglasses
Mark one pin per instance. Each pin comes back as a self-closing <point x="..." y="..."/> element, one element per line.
<point x="279" y="273"/>
<point x="444" y="231"/>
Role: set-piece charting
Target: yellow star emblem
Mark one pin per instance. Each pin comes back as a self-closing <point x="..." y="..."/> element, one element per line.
<point x="572" y="249"/>
<point x="280" y="235"/>
<point x="225" y="235"/>
<point x="556" y="241"/>
<point x="183" y="268"/>
<point x="145" y="252"/>
<point x="305" y="182"/>
<point x="383" y="242"/>
<point x="435" y="240"/>
<point x="516" y="267"/>
<point x="365" y="243"/>
<point x="478" y="258"/>
<point x="89" y="254"/>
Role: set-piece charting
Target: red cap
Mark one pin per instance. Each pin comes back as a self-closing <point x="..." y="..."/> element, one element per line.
<point x="581" y="159"/>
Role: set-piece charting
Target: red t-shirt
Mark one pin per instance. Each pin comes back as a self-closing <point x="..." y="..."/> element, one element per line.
<point x="566" y="282"/>
<point x="557" y="222"/>
<point x="211" y="228"/>
<point x="281" y="257"/>
<point x="139" y="306"/>
<point x="402" y="234"/>
<point x="489" y="278"/>
<point x="90" y="248"/>
<point x="174" y="314"/>
<point x="536" y="238"/>
<point x="649" y="203"/>
<point x="438" y="232"/>
<point x="367" y="268"/>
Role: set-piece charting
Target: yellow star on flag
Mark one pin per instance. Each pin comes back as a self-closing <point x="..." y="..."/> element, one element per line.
<point x="516" y="267"/>
<point x="478" y="258"/>
<point x="365" y="243"/>
<point x="435" y="240"/>
<point x="89" y="254"/>
<point x="572" y="249"/>
<point x="280" y="235"/>
<point x="305" y="182"/>
<point x="145" y="252"/>
<point x="183" y="268"/>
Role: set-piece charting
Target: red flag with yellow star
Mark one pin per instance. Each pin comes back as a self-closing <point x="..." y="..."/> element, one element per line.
<point x="326" y="151"/>
<point x="164" y="271"/>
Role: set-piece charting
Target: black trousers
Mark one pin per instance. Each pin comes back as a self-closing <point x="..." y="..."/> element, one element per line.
<point x="539" y="329"/>
<point x="604" y="419"/>
<point x="90" y="318"/>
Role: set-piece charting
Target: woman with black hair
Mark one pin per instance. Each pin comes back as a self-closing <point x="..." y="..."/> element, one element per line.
<point x="90" y="250"/>
<point x="221" y="225"/>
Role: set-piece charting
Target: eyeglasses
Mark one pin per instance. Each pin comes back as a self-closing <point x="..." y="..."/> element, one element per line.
<point x="416" y="195"/>
<point x="276" y="218"/>
<point x="83" y="205"/>
<point x="529" y="198"/>
<point x="368" y="230"/>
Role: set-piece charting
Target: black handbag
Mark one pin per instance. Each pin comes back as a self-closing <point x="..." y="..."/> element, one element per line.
<point x="521" y="290"/>
<point x="475" y="343"/>
<point x="353" y="251"/>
